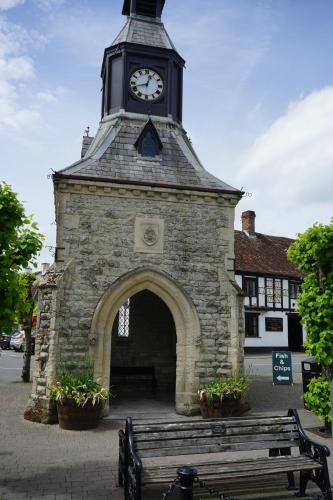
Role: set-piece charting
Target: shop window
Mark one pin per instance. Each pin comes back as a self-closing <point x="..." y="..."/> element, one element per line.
<point x="251" y="325"/>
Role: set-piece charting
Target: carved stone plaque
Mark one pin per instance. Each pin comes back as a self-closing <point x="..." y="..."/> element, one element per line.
<point x="149" y="235"/>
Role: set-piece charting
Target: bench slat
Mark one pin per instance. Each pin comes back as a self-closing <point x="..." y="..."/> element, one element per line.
<point x="225" y="471"/>
<point x="218" y="431"/>
<point x="215" y="448"/>
<point x="242" y="464"/>
<point x="216" y="440"/>
<point x="207" y="424"/>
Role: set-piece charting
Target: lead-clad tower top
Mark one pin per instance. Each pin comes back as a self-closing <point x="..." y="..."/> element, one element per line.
<point x="147" y="8"/>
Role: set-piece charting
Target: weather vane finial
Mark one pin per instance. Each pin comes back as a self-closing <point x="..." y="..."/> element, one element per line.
<point x="87" y="131"/>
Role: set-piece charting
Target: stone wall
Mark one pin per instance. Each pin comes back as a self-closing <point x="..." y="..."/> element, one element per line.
<point x="106" y="231"/>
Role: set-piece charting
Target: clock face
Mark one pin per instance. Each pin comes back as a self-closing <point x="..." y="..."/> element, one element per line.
<point x="146" y="84"/>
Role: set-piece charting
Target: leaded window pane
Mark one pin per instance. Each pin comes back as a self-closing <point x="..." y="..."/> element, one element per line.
<point x="123" y="320"/>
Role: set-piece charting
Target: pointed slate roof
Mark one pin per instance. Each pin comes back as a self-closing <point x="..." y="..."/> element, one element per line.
<point x="144" y="31"/>
<point x="112" y="156"/>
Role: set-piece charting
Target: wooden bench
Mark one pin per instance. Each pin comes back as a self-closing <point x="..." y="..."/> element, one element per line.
<point x="142" y="443"/>
<point x="134" y="373"/>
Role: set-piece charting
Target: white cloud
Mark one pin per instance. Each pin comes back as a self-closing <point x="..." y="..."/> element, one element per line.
<point x="84" y="32"/>
<point x="9" y="4"/>
<point x="17" y="113"/>
<point x="49" y="4"/>
<point x="16" y="68"/>
<point x="47" y="97"/>
<point x="14" y="117"/>
<point x="289" y="168"/>
<point x="51" y="96"/>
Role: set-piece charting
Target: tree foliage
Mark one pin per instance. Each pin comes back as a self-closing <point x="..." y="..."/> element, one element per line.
<point x="26" y="299"/>
<point x="20" y="242"/>
<point x="317" y="399"/>
<point x="24" y="313"/>
<point x="312" y="253"/>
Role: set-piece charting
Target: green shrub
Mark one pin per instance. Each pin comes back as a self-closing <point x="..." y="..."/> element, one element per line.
<point x="317" y="399"/>
<point x="80" y="387"/>
<point x="233" y="388"/>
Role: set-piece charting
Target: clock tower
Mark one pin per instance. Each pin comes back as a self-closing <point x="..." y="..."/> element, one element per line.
<point x="143" y="279"/>
<point x="142" y="72"/>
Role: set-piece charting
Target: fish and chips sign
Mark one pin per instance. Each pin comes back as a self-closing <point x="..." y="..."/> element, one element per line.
<point x="282" y="368"/>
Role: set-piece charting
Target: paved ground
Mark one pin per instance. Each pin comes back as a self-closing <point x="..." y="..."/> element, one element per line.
<point x="255" y="365"/>
<point x="44" y="462"/>
<point x="11" y="365"/>
<point x="261" y="365"/>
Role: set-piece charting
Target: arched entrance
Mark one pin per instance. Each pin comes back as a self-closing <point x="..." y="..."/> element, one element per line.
<point x="186" y="324"/>
<point x="143" y="349"/>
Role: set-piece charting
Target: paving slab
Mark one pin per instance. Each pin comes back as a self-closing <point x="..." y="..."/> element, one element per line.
<point x="40" y="461"/>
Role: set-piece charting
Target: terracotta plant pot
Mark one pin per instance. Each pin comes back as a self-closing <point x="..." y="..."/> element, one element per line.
<point x="225" y="407"/>
<point x="78" y="418"/>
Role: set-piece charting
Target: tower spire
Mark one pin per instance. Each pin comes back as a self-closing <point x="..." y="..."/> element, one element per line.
<point x="147" y="8"/>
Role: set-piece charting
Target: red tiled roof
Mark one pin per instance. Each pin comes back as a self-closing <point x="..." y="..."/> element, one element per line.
<point x="260" y="253"/>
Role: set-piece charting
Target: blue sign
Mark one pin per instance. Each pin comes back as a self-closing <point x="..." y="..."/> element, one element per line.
<point x="282" y="368"/>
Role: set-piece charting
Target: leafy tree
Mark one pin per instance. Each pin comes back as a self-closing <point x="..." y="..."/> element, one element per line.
<point x="20" y="242"/>
<point x="24" y="314"/>
<point x="312" y="253"/>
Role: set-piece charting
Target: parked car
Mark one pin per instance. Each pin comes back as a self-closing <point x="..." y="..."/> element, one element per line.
<point x="5" y="340"/>
<point x="17" y="340"/>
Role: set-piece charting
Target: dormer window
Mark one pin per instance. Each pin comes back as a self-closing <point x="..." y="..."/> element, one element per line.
<point x="149" y="144"/>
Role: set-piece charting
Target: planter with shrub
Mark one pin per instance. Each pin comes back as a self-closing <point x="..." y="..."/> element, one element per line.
<point x="80" y="400"/>
<point x="224" y="397"/>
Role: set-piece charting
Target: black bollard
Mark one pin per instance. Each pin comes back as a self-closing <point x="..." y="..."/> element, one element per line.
<point x="186" y="477"/>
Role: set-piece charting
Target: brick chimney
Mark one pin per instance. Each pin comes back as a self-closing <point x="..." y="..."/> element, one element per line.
<point x="248" y="222"/>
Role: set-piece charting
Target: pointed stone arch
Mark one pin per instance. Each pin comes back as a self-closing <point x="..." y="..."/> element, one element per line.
<point x="186" y="322"/>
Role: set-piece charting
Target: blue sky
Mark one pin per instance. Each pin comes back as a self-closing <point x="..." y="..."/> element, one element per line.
<point x="258" y="97"/>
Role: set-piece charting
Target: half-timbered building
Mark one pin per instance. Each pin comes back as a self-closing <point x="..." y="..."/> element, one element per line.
<point x="270" y="283"/>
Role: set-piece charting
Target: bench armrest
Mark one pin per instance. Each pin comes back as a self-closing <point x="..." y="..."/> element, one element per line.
<point x="122" y="458"/>
<point x="133" y="460"/>
<point x="307" y="446"/>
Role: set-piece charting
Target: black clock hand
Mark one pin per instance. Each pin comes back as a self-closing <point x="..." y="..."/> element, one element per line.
<point x="144" y="84"/>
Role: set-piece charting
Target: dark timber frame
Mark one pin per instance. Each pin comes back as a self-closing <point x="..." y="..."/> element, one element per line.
<point x="277" y="434"/>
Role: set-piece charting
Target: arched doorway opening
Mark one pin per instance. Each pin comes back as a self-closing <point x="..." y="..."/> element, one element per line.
<point x="186" y="323"/>
<point x="143" y="348"/>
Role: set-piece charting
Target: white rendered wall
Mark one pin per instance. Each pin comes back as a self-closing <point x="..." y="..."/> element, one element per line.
<point x="266" y="338"/>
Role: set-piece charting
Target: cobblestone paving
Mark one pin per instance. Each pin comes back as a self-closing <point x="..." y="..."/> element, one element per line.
<point x="43" y="462"/>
